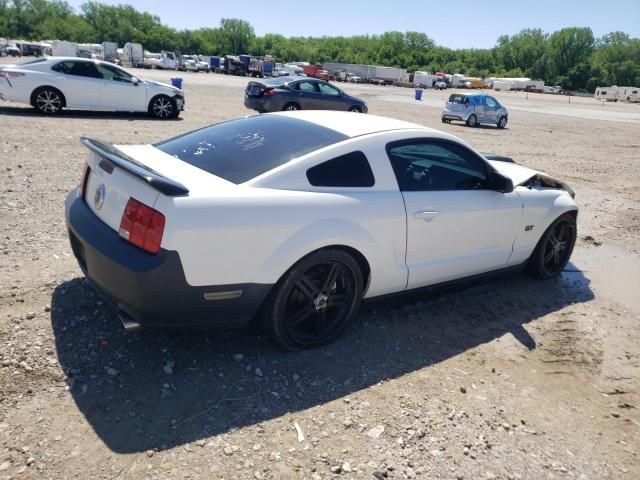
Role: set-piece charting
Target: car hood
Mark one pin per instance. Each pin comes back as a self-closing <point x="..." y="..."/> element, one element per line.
<point x="161" y="84"/>
<point x="517" y="173"/>
<point x="520" y="175"/>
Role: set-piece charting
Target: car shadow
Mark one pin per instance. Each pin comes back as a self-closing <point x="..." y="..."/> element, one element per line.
<point x="158" y="389"/>
<point x="82" y="114"/>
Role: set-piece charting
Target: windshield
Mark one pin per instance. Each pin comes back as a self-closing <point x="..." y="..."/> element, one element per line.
<point x="240" y="150"/>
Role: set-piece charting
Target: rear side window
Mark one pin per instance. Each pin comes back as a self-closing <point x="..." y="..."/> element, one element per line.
<point x="242" y="149"/>
<point x="350" y="170"/>
<point x="456" y="98"/>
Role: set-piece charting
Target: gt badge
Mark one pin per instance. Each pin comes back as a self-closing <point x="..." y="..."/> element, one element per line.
<point x="528" y="228"/>
<point x="98" y="197"/>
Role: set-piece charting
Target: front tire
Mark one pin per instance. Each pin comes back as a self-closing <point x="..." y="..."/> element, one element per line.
<point x="554" y="248"/>
<point x="48" y="100"/>
<point x="355" y="109"/>
<point x="163" y="108"/>
<point x="502" y="122"/>
<point x="472" y="121"/>
<point x="314" y="301"/>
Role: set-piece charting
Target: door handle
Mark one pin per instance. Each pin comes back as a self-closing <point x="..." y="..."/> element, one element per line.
<point x="426" y="215"/>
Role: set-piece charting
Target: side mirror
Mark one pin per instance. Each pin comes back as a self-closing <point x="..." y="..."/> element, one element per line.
<point x="500" y="183"/>
<point x="135" y="81"/>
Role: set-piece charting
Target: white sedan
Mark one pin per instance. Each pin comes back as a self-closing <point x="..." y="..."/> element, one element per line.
<point x="294" y="217"/>
<point x="52" y="83"/>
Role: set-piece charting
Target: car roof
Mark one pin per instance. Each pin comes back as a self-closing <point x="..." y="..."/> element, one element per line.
<point x="353" y="124"/>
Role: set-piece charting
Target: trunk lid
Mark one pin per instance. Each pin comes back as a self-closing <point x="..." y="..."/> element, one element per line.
<point x="117" y="173"/>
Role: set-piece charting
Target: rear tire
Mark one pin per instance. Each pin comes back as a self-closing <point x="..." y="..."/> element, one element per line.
<point x="554" y="248"/>
<point x="163" y="108"/>
<point x="291" y="107"/>
<point x="48" y="100"/>
<point x="472" y="121"/>
<point x="314" y="301"/>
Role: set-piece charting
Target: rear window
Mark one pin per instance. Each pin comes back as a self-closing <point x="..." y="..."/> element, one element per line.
<point x="242" y="149"/>
<point x="456" y="98"/>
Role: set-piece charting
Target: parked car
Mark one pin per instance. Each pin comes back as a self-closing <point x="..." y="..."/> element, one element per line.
<point x="299" y="93"/>
<point x="474" y="109"/>
<point x="379" y="81"/>
<point x="293" y="218"/>
<point x="53" y="83"/>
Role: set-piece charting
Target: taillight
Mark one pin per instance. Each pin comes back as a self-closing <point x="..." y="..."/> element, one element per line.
<point x="142" y="226"/>
<point x="269" y="92"/>
<point x="5" y="74"/>
<point x="84" y="180"/>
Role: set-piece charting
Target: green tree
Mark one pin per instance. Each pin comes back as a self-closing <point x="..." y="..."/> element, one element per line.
<point x="236" y="35"/>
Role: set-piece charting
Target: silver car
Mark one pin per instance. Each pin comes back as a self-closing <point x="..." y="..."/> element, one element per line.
<point x="474" y="109"/>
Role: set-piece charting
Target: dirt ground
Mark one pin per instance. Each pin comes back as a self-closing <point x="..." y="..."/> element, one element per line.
<point x="508" y="379"/>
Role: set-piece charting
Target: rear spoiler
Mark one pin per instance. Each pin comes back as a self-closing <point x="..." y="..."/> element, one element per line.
<point x="146" y="174"/>
<point x="497" y="158"/>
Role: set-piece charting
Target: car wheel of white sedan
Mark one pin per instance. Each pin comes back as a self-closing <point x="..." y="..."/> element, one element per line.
<point x="314" y="301"/>
<point x="554" y="248"/>
<point x="48" y="100"/>
<point x="163" y="108"/>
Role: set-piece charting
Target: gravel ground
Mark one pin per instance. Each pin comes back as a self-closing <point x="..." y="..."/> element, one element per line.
<point x="509" y="379"/>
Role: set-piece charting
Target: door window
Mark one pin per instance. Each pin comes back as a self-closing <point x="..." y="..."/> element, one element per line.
<point x="110" y="73"/>
<point x="84" y="69"/>
<point x="492" y="103"/>
<point x="306" y="87"/>
<point x="327" y="89"/>
<point x="436" y="165"/>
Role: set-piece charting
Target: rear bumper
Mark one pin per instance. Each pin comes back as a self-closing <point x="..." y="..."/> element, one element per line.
<point x="261" y="104"/>
<point x="152" y="289"/>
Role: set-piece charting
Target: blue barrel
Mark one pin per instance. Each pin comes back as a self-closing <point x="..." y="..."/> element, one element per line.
<point x="418" y="94"/>
<point x="177" y="82"/>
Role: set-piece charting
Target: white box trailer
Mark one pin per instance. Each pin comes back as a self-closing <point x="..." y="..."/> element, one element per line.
<point x="62" y="48"/>
<point x="502" y="85"/>
<point x="109" y="51"/>
<point x="132" y="55"/>
<point x="367" y="72"/>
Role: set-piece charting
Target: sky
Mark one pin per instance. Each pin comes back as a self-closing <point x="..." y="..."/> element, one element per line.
<point x="451" y="23"/>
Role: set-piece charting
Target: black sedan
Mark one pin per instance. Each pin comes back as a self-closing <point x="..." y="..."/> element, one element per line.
<point x="299" y="93"/>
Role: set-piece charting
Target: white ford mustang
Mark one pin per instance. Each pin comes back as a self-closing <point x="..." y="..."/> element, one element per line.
<point x="293" y="218"/>
<point x="52" y="83"/>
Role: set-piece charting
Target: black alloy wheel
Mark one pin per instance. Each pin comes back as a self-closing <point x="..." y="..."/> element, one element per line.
<point x="315" y="301"/>
<point x="554" y="249"/>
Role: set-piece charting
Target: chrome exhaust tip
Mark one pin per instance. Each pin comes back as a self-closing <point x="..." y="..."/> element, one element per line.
<point x="128" y="324"/>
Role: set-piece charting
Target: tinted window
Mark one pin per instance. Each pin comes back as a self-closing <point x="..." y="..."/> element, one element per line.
<point x="81" y="69"/>
<point x="350" y="170"/>
<point x="433" y="165"/>
<point x="456" y="98"/>
<point x="242" y="149"/>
